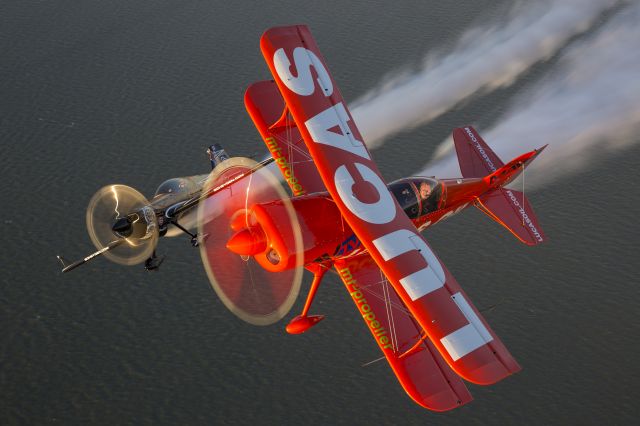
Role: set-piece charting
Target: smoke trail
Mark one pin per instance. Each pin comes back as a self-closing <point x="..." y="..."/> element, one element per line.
<point x="484" y="60"/>
<point x="592" y="98"/>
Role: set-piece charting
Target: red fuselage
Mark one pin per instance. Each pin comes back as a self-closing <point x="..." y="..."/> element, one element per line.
<point x="327" y="236"/>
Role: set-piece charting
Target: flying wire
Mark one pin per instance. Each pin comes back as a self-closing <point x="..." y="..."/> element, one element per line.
<point x="523" y="205"/>
<point x="366" y="364"/>
<point x="246" y="202"/>
<point x="389" y="308"/>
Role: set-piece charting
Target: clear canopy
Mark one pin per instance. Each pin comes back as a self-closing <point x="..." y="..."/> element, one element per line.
<point x="418" y="195"/>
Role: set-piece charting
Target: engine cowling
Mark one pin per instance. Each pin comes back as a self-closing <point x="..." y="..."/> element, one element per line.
<point x="268" y="237"/>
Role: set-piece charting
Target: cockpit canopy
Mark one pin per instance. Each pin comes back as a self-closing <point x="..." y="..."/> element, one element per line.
<point x="177" y="189"/>
<point x="177" y="186"/>
<point x="419" y="195"/>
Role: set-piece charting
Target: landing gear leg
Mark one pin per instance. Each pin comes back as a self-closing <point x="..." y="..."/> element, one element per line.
<point x="194" y="238"/>
<point x="154" y="262"/>
<point x="303" y="322"/>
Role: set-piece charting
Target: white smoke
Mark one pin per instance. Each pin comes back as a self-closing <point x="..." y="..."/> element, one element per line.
<point x="485" y="59"/>
<point x="589" y="105"/>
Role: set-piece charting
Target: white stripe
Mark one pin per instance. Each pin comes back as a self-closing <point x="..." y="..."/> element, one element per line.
<point x="423" y="281"/>
<point x="420" y="283"/>
<point x="469" y="337"/>
<point x="462" y="341"/>
<point x="471" y="316"/>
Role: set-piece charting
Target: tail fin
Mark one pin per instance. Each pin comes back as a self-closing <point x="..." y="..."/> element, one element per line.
<point x="508" y="207"/>
<point x="217" y="155"/>
<point x="474" y="155"/>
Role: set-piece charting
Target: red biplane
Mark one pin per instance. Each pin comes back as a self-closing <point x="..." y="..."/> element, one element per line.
<point x="425" y="325"/>
<point x="255" y="239"/>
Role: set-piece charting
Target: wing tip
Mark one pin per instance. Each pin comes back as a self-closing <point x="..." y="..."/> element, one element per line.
<point x="283" y="30"/>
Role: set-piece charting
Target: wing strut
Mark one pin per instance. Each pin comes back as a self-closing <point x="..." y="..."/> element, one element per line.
<point x="417" y="346"/>
<point x="283" y="122"/>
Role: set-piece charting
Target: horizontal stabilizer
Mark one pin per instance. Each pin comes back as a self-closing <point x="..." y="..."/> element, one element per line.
<point x="512" y="210"/>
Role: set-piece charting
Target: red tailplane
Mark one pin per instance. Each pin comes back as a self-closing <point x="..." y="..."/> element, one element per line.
<point x="508" y="207"/>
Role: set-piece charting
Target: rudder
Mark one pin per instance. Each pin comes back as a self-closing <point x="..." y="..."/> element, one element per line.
<point x="475" y="157"/>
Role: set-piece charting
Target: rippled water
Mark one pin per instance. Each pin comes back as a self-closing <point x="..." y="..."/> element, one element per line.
<point x="93" y="93"/>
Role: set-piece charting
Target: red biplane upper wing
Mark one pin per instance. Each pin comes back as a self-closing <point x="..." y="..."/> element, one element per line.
<point x="279" y="132"/>
<point x="424" y="285"/>
<point x="423" y="373"/>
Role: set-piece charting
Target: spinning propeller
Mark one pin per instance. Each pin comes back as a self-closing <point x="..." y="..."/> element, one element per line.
<point x="248" y="233"/>
<point x="119" y="215"/>
<point x="122" y="226"/>
<point x="244" y="261"/>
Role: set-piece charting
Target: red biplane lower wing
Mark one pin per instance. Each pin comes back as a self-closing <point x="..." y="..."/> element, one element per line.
<point x="279" y="132"/>
<point x="475" y="157"/>
<point x="424" y="375"/>
<point x="418" y="277"/>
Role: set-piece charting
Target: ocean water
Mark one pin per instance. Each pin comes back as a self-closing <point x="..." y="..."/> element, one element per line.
<point x="94" y="93"/>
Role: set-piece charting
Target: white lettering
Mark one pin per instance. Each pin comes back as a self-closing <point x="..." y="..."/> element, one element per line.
<point x="480" y="149"/>
<point x="303" y="59"/>
<point x="382" y="211"/>
<point x="336" y="115"/>
<point x="525" y="216"/>
<point x="423" y="281"/>
<point x="424" y="226"/>
<point x="452" y="212"/>
<point x="469" y="337"/>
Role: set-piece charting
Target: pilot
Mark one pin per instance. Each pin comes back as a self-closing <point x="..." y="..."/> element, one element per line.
<point x="425" y="191"/>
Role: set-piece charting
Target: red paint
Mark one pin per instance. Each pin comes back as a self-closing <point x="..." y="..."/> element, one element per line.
<point x="302" y="323"/>
<point x="305" y="121"/>
<point x="248" y="241"/>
